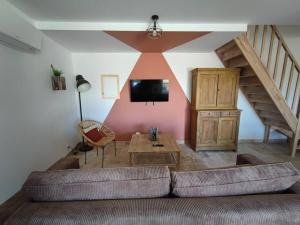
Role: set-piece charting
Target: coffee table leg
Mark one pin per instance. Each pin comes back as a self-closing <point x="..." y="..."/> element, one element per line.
<point x="178" y="160"/>
<point x="130" y="159"/>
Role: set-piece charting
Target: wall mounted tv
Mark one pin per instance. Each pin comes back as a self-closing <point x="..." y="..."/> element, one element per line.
<point x="149" y="90"/>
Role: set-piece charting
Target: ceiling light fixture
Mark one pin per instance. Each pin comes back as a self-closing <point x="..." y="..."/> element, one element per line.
<point x="154" y="31"/>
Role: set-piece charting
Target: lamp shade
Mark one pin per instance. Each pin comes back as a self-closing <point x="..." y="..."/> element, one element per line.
<point x="82" y="84"/>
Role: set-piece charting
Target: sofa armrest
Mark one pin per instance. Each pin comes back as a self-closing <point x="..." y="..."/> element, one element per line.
<point x="65" y="163"/>
<point x="295" y="189"/>
<point x="11" y="205"/>
<point x="17" y="200"/>
<point x="248" y="159"/>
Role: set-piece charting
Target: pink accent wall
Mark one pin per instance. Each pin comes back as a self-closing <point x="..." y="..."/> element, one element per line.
<point x="168" y="40"/>
<point x="127" y="118"/>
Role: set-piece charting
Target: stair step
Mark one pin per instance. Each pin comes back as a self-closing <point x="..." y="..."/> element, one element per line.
<point x="226" y="47"/>
<point x="250" y="84"/>
<point x="237" y="62"/>
<point x="248" y="81"/>
<point x="260" y="99"/>
<point x="247" y="71"/>
<point x="254" y="90"/>
<point x="258" y="94"/>
<point x="271" y="115"/>
<point x="279" y="126"/>
<point x="231" y="53"/>
<point x="276" y="123"/>
<point x="250" y="75"/>
<point x="266" y="107"/>
<point x="286" y="131"/>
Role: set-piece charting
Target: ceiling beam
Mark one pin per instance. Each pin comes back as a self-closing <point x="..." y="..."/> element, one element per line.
<point x="93" y="26"/>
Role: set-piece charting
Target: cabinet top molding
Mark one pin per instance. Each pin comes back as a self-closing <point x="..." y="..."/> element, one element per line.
<point x="218" y="69"/>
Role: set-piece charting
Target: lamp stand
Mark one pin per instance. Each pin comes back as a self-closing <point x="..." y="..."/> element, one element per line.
<point x="83" y="147"/>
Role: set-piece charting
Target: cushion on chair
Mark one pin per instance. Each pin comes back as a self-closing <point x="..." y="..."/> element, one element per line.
<point x="235" y="181"/>
<point x="95" y="135"/>
<point x="94" y="184"/>
<point x="88" y="128"/>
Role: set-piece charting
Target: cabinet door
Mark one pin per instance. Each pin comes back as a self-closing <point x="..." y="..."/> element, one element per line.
<point x="194" y="128"/>
<point x="227" y="130"/>
<point x="227" y="90"/>
<point x="208" y="127"/>
<point x="207" y="86"/>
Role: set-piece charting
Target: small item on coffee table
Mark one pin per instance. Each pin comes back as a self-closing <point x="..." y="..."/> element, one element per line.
<point x="153" y="132"/>
<point x="157" y="145"/>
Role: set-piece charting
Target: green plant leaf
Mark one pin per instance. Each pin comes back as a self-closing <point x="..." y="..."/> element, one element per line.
<point x="56" y="72"/>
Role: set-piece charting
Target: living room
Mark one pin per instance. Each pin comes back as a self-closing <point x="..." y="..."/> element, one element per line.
<point x="105" y="91"/>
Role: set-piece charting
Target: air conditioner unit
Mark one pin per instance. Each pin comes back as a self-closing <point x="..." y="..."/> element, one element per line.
<point x="16" y="32"/>
<point x="16" y="44"/>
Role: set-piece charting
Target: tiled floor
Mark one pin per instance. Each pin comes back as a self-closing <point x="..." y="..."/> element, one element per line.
<point x="191" y="160"/>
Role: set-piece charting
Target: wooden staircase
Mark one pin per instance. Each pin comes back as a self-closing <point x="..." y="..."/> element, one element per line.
<point x="269" y="79"/>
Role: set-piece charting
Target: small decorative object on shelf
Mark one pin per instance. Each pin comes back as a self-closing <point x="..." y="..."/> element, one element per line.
<point x="58" y="81"/>
<point x="153" y="131"/>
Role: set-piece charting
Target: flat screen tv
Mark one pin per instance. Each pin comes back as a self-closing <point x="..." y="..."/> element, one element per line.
<point x="149" y="90"/>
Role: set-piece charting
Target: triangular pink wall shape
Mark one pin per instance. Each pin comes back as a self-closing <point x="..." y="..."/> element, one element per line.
<point x="127" y="118"/>
<point x="141" y="42"/>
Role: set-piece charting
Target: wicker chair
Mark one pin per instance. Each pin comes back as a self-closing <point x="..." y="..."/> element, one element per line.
<point x="107" y="139"/>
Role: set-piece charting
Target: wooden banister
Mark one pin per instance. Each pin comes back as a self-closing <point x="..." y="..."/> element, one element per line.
<point x="281" y="64"/>
<point x="285" y="46"/>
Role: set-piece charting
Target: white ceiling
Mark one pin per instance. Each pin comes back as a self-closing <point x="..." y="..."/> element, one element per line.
<point x="78" y="25"/>
<point x="285" y="12"/>
<point x="207" y="43"/>
<point x="99" y="41"/>
<point x="88" y="41"/>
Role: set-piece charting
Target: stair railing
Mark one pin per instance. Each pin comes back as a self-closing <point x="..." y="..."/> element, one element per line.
<point x="282" y="66"/>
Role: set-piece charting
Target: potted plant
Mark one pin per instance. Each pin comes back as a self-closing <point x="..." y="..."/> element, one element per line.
<point x="58" y="81"/>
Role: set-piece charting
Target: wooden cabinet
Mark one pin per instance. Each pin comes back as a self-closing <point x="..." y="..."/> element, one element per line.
<point x="227" y="130"/>
<point x="208" y="130"/>
<point x="215" y="118"/>
<point x="207" y="91"/>
<point x="215" y="88"/>
<point x="214" y="130"/>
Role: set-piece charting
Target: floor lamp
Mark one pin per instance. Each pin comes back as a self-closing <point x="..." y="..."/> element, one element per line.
<point x="82" y="86"/>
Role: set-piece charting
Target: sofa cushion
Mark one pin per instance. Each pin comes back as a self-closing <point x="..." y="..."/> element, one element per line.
<point x="93" y="184"/>
<point x="235" y="181"/>
<point x="279" y="209"/>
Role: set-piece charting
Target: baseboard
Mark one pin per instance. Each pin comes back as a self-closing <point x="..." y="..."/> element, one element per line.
<point x="271" y="141"/>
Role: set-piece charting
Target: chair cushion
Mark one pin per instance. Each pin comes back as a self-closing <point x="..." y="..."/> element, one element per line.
<point x="235" y="181"/>
<point x="93" y="184"/>
<point x="95" y="135"/>
<point x="89" y="127"/>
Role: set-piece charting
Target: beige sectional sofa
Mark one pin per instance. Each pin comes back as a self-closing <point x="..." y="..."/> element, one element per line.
<point x="280" y="207"/>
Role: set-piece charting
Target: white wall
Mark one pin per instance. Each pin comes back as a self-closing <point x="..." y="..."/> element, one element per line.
<point x="36" y="123"/>
<point x="182" y="65"/>
<point x="291" y="35"/>
<point x="92" y="65"/>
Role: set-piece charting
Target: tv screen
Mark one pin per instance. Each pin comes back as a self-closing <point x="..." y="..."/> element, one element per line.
<point x="149" y="90"/>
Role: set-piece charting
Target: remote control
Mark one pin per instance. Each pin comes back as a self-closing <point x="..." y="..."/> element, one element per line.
<point x="158" y="145"/>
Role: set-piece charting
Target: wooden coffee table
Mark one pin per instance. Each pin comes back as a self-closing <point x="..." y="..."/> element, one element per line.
<point x="140" y="143"/>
